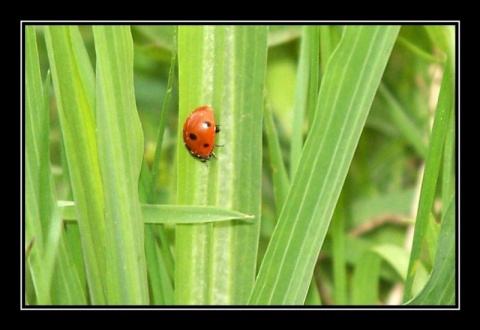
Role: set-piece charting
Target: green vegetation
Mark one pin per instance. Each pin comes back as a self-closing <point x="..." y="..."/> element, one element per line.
<point x="333" y="181"/>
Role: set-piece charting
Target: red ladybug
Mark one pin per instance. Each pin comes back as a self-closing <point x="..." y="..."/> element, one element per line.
<point x="199" y="133"/>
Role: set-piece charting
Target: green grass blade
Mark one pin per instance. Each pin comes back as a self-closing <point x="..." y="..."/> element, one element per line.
<point x="281" y="183"/>
<point x="338" y="250"/>
<point x="120" y="142"/>
<point x="38" y="177"/>
<point x="346" y="94"/>
<point x="366" y="280"/>
<point x="306" y="91"/>
<point x="405" y="125"/>
<point x="71" y="73"/>
<point x="223" y="66"/>
<point x="313" y="296"/>
<point x="159" y="257"/>
<point x="161" y="129"/>
<point x="66" y="285"/>
<point x="49" y="255"/>
<point x="190" y="214"/>
<point x="448" y="174"/>
<point x="160" y="274"/>
<point x="67" y="288"/>
<point x="440" y="288"/>
<point x="172" y="214"/>
<point x="313" y="35"/>
<point x="432" y="166"/>
<point x="328" y="41"/>
<point x="301" y="100"/>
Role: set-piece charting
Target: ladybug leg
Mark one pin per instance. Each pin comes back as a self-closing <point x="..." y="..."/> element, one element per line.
<point x="217" y="128"/>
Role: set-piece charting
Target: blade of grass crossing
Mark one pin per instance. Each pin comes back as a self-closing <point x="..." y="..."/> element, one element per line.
<point x="120" y="142"/>
<point x="346" y="94"/>
<point x="75" y="105"/>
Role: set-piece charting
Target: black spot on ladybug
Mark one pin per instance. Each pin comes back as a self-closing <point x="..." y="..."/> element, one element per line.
<point x="206" y="145"/>
<point x="193" y="136"/>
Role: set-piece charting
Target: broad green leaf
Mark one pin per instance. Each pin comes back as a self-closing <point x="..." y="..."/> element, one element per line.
<point x="224" y="67"/>
<point x="346" y="94"/>
<point x="120" y="142"/>
<point x="71" y="73"/>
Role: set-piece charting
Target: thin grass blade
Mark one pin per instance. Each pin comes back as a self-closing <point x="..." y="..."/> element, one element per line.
<point x="432" y="167"/>
<point x="281" y="182"/>
<point x="172" y="214"/>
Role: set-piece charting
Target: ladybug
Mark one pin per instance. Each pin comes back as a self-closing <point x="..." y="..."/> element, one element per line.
<point x="199" y="133"/>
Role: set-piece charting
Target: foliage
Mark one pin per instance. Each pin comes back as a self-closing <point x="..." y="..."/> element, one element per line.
<point x="333" y="181"/>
